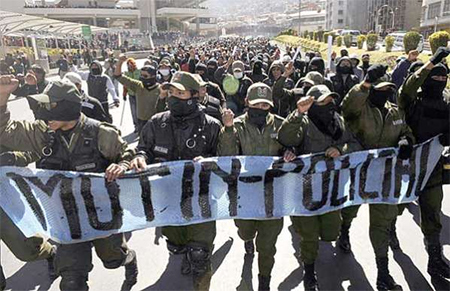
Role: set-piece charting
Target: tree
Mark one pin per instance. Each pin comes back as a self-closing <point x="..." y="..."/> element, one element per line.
<point x="372" y="41"/>
<point x="438" y="39"/>
<point x="411" y="41"/>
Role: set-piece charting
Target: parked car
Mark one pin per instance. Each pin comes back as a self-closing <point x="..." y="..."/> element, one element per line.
<point x="353" y="33"/>
<point x="398" y="42"/>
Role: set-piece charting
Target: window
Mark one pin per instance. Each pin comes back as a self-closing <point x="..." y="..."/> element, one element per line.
<point x="340" y="12"/>
<point x="434" y="10"/>
<point x="447" y="7"/>
<point x="341" y="3"/>
<point x="340" y="21"/>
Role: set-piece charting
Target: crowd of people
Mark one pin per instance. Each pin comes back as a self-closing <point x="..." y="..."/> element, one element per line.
<point x="246" y="97"/>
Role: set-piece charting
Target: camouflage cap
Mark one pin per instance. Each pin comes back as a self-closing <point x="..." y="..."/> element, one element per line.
<point x="313" y="78"/>
<point x="183" y="81"/>
<point x="259" y="92"/>
<point x="200" y="80"/>
<point x="165" y="62"/>
<point x="59" y="91"/>
<point x="320" y="93"/>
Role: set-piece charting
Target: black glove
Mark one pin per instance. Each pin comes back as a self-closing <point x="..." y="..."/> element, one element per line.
<point x="375" y="72"/>
<point x="405" y="148"/>
<point x="444" y="139"/>
<point x="7" y="159"/>
<point x="439" y="55"/>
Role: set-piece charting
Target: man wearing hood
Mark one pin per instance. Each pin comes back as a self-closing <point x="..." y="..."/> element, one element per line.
<point x="356" y="70"/>
<point x="95" y="148"/>
<point x="257" y="74"/>
<point x="211" y="69"/>
<point x="212" y="88"/>
<point x="376" y="123"/>
<point x="275" y="72"/>
<point x="317" y="64"/>
<point x="99" y="85"/>
<point x="365" y="64"/>
<point x="164" y="71"/>
<point x="316" y="116"/>
<point x="184" y="132"/>
<point x="90" y="107"/>
<point x="235" y="102"/>
<point x="428" y="114"/>
<point x="146" y="89"/>
<point x="344" y="79"/>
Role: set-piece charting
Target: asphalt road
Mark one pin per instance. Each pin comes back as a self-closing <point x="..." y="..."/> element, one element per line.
<point x="232" y="269"/>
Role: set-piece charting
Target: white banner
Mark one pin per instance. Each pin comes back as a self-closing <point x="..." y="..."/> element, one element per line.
<point x="72" y="206"/>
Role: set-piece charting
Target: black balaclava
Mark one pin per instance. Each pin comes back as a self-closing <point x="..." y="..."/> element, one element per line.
<point x="326" y="119"/>
<point x="96" y="72"/>
<point x="317" y="65"/>
<point x="202" y="71"/>
<point x="212" y="68"/>
<point x="257" y="68"/>
<point x="149" y="83"/>
<point x="433" y="89"/>
<point x="182" y="108"/>
<point x="344" y="70"/>
<point x="257" y="116"/>
<point x="379" y="98"/>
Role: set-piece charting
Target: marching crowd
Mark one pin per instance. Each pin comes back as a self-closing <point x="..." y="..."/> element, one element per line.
<point x="226" y="98"/>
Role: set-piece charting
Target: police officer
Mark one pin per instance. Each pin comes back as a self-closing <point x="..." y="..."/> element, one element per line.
<point x="428" y="114"/>
<point x="254" y="134"/>
<point x="63" y="137"/>
<point x="210" y="104"/>
<point x="146" y="89"/>
<point x="99" y="85"/>
<point x="322" y="129"/>
<point x="90" y="107"/>
<point x="344" y="79"/>
<point x="184" y="132"/>
<point x="376" y="123"/>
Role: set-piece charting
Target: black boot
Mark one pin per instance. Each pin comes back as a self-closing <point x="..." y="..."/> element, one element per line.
<point x="249" y="247"/>
<point x="385" y="281"/>
<point x="437" y="267"/>
<point x="200" y="259"/>
<point x="344" y="239"/>
<point x="264" y="283"/>
<point x="393" y="240"/>
<point x="51" y="265"/>
<point x="2" y="279"/>
<point x="131" y="272"/>
<point x="310" y="278"/>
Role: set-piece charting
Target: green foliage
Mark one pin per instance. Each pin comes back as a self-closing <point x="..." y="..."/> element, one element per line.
<point x="311" y="35"/>
<point x="289" y="31"/>
<point x="389" y="41"/>
<point x="438" y="39"/>
<point x="339" y="41"/>
<point x="411" y="41"/>
<point x="325" y="37"/>
<point x="320" y="34"/>
<point x="360" y="40"/>
<point x="305" y="34"/>
<point x="348" y="40"/>
<point x="372" y="41"/>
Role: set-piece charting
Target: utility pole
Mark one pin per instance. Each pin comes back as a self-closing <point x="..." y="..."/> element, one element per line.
<point x="299" y="17"/>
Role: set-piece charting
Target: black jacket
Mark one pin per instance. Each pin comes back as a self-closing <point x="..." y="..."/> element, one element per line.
<point x="165" y="138"/>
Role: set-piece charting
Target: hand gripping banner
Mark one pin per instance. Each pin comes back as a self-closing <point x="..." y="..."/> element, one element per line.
<point x="72" y="206"/>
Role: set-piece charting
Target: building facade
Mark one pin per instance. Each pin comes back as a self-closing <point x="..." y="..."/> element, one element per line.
<point x="393" y="15"/>
<point x="435" y="16"/>
<point x="346" y="14"/>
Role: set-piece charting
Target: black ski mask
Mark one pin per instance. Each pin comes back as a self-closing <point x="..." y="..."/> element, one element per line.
<point x="182" y="107"/>
<point x="326" y="119"/>
<point x="149" y="83"/>
<point x="379" y="98"/>
<point x="433" y="89"/>
<point x="257" y="116"/>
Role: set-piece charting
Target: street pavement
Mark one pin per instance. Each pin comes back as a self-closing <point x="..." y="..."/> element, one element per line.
<point x="233" y="270"/>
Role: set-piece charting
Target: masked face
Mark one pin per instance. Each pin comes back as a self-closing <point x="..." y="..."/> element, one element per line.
<point x="257" y="116"/>
<point x="164" y="72"/>
<point x="211" y="71"/>
<point x="238" y="75"/>
<point x="322" y="114"/>
<point x="182" y="107"/>
<point x="345" y="70"/>
<point x="378" y="98"/>
<point x="60" y="111"/>
<point x="95" y="70"/>
<point x="434" y="86"/>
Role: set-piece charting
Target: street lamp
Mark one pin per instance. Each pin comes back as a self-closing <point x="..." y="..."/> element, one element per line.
<point x="378" y="16"/>
<point x="299" y="16"/>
